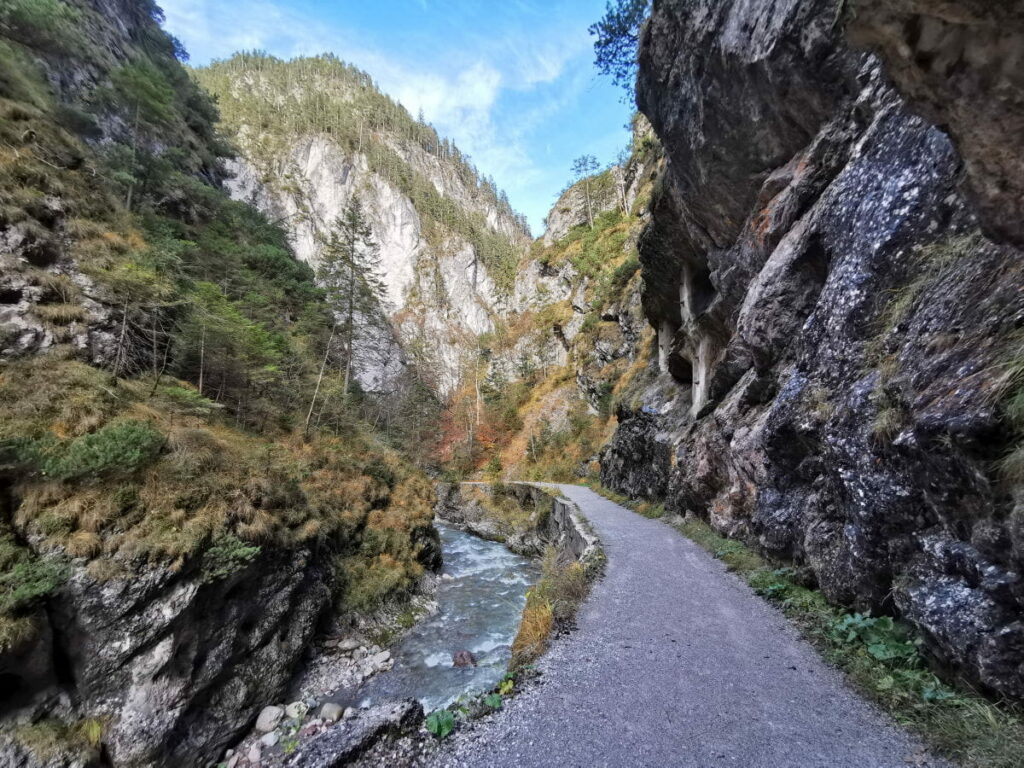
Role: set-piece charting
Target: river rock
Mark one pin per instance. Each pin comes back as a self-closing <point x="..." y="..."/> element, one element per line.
<point x="331" y="712"/>
<point x="269" y="719"/>
<point x="348" y="645"/>
<point x="463" y="659"/>
<point x="296" y="710"/>
<point x="255" y="754"/>
<point x="270" y="739"/>
<point x="338" y="745"/>
<point x="380" y="659"/>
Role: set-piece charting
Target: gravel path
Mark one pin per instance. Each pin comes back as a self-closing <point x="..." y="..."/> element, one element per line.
<point x="677" y="663"/>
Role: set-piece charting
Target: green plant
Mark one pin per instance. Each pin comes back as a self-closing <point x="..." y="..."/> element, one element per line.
<point x="440" y="723"/>
<point x="27" y="582"/>
<point x="493" y="700"/>
<point x="225" y="556"/>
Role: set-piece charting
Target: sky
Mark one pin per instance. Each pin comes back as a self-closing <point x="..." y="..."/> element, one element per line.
<point x="512" y="82"/>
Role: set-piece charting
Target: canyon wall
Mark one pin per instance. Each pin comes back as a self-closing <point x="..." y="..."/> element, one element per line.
<point x="833" y="272"/>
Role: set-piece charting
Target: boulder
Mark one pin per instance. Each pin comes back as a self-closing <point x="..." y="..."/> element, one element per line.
<point x="269" y="718"/>
<point x="463" y="659"/>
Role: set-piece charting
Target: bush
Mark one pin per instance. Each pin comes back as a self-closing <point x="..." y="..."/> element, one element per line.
<point x="119" y="448"/>
<point x="28" y="582"/>
<point x="49" y="25"/>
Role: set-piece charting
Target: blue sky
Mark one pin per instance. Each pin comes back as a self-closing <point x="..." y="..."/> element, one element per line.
<point x="512" y="83"/>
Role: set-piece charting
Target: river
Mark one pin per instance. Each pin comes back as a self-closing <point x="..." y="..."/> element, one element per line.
<point x="480" y="598"/>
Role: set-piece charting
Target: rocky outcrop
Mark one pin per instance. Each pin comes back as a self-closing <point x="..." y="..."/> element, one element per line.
<point x="635" y="461"/>
<point x="960" y="63"/>
<point x="343" y="743"/>
<point x="835" y="324"/>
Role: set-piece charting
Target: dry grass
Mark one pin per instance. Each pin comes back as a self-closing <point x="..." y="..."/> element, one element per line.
<point x="553" y="602"/>
<point x="534" y="630"/>
<point x="60" y="314"/>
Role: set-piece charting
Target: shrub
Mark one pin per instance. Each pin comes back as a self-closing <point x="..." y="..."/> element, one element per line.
<point x="119" y="448"/>
<point x="28" y="582"/>
<point x="49" y="25"/>
<point x="225" y="556"/>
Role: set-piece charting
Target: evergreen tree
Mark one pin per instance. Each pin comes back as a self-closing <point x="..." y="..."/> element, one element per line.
<point x="350" y="275"/>
<point x="618" y="35"/>
<point x="583" y="168"/>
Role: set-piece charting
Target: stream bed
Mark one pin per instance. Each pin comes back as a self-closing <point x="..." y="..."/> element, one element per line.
<point x="480" y="601"/>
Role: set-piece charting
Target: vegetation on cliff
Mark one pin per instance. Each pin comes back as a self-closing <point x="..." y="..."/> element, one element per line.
<point x="162" y="344"/>
<point x="268" y="103"/>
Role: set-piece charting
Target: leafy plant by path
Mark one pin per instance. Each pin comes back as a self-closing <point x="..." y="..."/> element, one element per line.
<point x="440" y="723"/>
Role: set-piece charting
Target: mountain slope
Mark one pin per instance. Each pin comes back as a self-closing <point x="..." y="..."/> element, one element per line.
<point x="179" y="511"/>
<point x="316" y="133"/>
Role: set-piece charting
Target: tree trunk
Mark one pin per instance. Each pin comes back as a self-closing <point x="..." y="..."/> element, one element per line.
<point x="319" y="379"/>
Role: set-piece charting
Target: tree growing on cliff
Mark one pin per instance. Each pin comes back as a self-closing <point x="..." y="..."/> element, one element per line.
<point x="350" y="275"/>
<point x="618" y="35"/>
<point x="583" y="167"/>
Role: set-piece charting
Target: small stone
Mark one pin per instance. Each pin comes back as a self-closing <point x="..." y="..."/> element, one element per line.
<point x="348" y="645"/>
<point x="296" y="710"/>
<point x="310" y="704"/>
<point x="350" y="712"/>
<point x="270" y="739"/>
<point x="331" y="712"/>
<point x="269" y="719"/>
<point x="332" y="643"/>
<point x="463" y="659"/>
<point x="380" y="659"/>
<point x="232" y="761"/>
<point x="254" y="754"/>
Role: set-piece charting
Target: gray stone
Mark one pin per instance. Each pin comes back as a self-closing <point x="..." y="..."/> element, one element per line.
<point x="296" y="710"/>
<point x="269" y="718"/>
<point x="270" y="739"/>
<point x="339" y="744"/>
<point x="331" y="712"/>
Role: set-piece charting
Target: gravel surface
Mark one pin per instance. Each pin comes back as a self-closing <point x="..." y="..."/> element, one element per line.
<point x="677" y="663"/>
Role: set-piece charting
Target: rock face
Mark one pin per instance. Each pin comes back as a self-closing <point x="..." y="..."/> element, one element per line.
<point x="834" y="322"/>
<point x="344" y="742"/>
<point x="438" y="226"/>
<point x="635" y="461"/>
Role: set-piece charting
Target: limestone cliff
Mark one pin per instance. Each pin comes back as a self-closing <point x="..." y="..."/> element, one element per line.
<point x="449" y="242"/>
<point x="832" y="268"/>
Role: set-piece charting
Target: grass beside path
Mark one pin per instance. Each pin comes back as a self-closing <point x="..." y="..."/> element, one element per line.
<point x="880" y="656"/>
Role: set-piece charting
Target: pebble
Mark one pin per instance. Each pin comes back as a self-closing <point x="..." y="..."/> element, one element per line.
<point x="270" y="739"/>
<point x="255" y="753"/>
<point x="331" y="712"/>
<point x="296" y="710"/>
<point x="348" y="645"/>
<point x="269" y="719"/>
<point x="349" y="713"/>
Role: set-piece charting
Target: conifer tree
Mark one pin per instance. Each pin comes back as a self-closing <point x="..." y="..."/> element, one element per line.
<point x="350" y="275"/>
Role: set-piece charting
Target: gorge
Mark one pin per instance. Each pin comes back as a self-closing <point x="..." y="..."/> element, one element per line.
<point x="788" y="320"/>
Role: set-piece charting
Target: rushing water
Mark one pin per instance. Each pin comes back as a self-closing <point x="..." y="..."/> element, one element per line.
<point x="479" y="611"/>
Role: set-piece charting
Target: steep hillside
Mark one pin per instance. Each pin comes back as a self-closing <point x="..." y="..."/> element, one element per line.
<point x="839" y="308"/>
<point x="540" y="402"/>
<point x="182" y="504"/>
<point x="316" y="133"/>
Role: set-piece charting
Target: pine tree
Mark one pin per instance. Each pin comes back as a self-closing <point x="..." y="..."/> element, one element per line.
<point x="350" y="274"/>
<point x="583" y="167"/>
